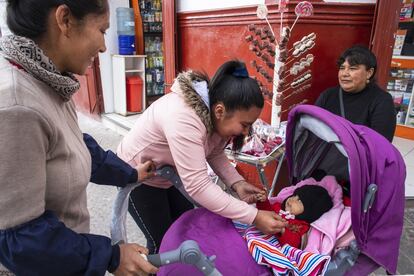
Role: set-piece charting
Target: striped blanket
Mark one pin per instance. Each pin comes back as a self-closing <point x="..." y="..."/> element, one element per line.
<point x="282" y="259"/>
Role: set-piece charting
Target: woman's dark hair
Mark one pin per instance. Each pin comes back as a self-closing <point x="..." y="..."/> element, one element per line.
<point x="232" y="86"/>
<point x="359" y="55"/>
<point x="29" y="18"/>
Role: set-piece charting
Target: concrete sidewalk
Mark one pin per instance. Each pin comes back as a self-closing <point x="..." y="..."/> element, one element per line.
<point x="101" y="198"/>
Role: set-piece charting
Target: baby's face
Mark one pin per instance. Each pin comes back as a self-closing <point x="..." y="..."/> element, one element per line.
<point x="294" y="205"/>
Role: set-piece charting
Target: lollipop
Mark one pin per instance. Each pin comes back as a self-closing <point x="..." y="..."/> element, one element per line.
<point x="262" y="13"/>
<point x="303" y="9"/>
<point x="283" y="6"/>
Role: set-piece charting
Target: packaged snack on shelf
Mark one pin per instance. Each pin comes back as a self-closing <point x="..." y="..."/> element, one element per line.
<point x="399" y="42"/>
<point x="406" y="99"/>
<point x="406" y="11"/>
<point x="397" y="97"/>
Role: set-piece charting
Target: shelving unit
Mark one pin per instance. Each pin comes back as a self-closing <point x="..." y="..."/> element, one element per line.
<point x="400" y="85"/>
<point x="401" y="79"/>
<point x="123" y="66"/>
<point x="151" y="13"/>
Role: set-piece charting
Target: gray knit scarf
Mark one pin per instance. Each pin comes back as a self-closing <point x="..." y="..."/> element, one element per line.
<point x="27" y="54"/>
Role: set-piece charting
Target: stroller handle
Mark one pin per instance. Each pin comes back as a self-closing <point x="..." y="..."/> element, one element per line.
<point x="188" y="253"/>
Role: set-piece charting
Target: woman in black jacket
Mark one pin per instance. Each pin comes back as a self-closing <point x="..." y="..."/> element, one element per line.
<point x="358" y="98"/>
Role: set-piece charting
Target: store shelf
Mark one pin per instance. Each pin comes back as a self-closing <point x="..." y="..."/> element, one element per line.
<point x="153" y="33"/>
<point x="407" y="20"/>
<point x="134" y="71"/>
<point x="401" y="89"/>
<point x="404" y="132"/>
<point x="130" y="56"/>
<point x="400" y="84"/>
<point x="400" y="78"/>
<point x="406" y="62"/>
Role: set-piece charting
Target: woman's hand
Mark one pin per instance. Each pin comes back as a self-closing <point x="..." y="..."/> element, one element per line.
<point x="248" y="192"/>
<point x="132" y="263"/>
<point x="269" y="222"/>
<point x="145" y="170"/>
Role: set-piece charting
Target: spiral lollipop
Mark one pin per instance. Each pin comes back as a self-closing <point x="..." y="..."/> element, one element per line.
<point x="262" y="13"/>
<point x="303" y="9"/>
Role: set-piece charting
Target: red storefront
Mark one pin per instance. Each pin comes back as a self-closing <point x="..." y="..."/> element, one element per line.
<point x="204" y="39"/>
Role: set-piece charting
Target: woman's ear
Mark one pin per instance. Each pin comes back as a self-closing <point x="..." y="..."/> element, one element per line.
<point x="219" y="111"/>
<point x="64" y="19"/>
<point x="370" y="72"/>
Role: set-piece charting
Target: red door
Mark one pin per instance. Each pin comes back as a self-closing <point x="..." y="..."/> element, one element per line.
<point x="89" y="99"/>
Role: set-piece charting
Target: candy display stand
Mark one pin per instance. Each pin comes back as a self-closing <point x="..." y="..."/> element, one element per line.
<point x="283" y="72"/>
<point x="278" y="154"/>
<point x="291" y="67"/>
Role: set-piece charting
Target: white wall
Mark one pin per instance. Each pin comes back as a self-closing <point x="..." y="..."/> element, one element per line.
<point x="105" y="59"/>
<point x="353" y="1"/>
<point x="4" y="30"/>
<point x="196" y="5"/>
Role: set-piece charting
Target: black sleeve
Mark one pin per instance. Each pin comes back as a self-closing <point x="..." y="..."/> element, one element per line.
<point x="321" y="101"/>
<point x="107" y="167"/>
<point x="382" y="117"/>
<point x="45" y="246"/>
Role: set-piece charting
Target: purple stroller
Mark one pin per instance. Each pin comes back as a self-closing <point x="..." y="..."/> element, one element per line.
<point x="317" y="140"/>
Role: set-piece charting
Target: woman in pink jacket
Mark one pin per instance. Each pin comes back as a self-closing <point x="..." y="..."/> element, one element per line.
<point x="187" y="129"/>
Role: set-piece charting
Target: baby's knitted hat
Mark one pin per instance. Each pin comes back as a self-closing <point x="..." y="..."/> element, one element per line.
<point x="316" y="201"/>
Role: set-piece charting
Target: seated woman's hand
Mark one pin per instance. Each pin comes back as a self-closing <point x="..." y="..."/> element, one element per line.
<point x="145" y="170"/>
<point x="248" y="192"/>
<point x="269" y="222"/>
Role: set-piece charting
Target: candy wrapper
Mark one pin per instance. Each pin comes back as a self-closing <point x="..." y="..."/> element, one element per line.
<point x="254" y="146"/>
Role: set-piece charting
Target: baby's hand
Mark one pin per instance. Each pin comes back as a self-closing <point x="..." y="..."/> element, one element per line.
<point x="261" y="197"/>
<point x="248" y="192"/>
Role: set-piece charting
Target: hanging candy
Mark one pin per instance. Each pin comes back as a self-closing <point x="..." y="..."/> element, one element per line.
<point x="302" y="9"/>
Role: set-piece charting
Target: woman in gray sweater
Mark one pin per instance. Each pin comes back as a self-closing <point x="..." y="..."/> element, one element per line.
<point x="45" y="164"/>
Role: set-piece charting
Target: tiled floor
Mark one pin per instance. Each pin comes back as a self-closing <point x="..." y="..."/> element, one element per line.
<point x="406" y="148"/>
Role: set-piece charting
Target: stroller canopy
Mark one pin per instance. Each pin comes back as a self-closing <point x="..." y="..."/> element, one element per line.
<point x="318" y="139"/>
